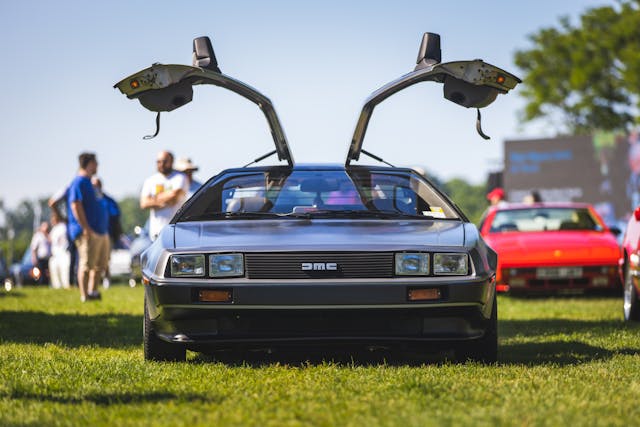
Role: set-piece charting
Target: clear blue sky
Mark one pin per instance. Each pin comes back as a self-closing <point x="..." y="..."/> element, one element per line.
<point x="316" y="60"/>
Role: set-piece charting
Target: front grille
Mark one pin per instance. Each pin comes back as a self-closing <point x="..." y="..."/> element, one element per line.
<point x="288" y="265"/>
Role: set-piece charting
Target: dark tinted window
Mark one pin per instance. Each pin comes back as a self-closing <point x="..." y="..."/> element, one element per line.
<point x="543" y="219"/>
<point x="282" y="191"/>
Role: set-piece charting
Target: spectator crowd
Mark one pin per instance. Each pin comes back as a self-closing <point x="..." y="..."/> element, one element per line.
<point x="74" y="247"/>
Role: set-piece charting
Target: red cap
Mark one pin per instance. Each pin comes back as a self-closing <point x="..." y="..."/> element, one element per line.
<point x="496" y="193"/>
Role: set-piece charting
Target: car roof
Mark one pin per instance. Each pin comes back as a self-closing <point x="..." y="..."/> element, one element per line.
<point x="317" y="167"/>
<point x="515" y="206"/>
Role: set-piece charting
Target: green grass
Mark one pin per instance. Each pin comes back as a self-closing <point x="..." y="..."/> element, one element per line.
<point x="562" y="361"/>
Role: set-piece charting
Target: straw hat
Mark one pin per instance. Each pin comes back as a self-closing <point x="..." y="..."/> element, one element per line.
<point x="184" y="164"/>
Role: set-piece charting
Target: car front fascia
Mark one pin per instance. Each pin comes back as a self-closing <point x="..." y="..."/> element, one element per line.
<point x="460" y="314"/>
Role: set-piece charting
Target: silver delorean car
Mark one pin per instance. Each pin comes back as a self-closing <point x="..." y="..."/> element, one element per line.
<point x="319" y="255"/>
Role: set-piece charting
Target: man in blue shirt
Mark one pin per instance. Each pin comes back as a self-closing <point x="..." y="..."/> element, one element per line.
<point x="88" y="225"/>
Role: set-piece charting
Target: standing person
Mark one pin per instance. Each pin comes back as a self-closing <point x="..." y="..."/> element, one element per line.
<point x="163" y="193"/>
<point x="185" y="166"/>
<point x="112" y="211"/>
<point x="41" y="251"/>
<point x="60" y="257"/>
<point x="496" y="197"/>
<point x="87" y="226"/>
<point x="58" y="205"/>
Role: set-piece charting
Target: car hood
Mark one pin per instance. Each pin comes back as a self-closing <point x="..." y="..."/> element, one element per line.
<point x="307" y="235"/>
<point x="554" y="247"/>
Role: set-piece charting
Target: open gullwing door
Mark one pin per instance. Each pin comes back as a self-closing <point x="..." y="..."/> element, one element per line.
<point x="167" y="87"/>
<point x="471" y="84"/>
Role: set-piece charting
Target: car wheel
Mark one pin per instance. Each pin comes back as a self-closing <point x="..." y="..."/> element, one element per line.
<point x="485" y="349"/>
<point x="631" y="305"/>
<point x="157" y="349"/>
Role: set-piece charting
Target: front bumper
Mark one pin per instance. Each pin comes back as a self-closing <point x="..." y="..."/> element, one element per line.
<point x="303" y="312"/>
<point x="527" y="279"/>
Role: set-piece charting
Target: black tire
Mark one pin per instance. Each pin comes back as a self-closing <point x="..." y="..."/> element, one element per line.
<point x="630" y="302"/>
<point x="157" y="349"/>
<point x="485" y="349"/>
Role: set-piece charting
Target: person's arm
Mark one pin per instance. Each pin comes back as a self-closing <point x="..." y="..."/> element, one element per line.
<point x="56" y="200"/>
<point x="148" y="202"/>
<point x="170" y="198"/>
<point x="180" y="187"/>
<point x="78" y="212"/>
<point x="147" y="199"/>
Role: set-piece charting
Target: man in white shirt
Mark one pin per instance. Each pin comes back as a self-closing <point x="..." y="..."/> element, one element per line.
<point x="163" y="193"/>
<point x="60" y="259"/>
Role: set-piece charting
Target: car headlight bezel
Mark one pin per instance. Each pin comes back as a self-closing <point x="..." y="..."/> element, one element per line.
<point x="187" y="265"/>
<point x="412" y="264"/>
<point x="226" y="265"/>
<point x="444" y="264"/>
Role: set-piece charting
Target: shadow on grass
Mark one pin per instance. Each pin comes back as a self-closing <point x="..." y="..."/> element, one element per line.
<point x="72" y="330"/>
<point x="546" y="341"/>
<point x="13" y="294"/>
<point x="551" y="348"/>
<point x="114" y="399"/>
<point x="562" y="353"/>
<point x="315" y="357"/>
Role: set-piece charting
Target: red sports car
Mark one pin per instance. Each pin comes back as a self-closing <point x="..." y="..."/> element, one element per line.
<point x="631" y="268"/>
<point x="551" y="247"/>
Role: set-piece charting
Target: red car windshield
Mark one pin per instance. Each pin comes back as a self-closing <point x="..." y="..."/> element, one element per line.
<point x="543" y="219"/>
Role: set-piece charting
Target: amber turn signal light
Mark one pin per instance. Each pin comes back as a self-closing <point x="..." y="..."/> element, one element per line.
<point x="215" y="295"/>
<point x="134" y="84"/>
<point x="424" y="294"/>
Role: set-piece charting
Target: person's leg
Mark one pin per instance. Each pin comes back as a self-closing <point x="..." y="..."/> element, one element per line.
<point x="99" y="247"/>
<point x="105" y="262"/>
<point x="82" y="243"/>
<point x="64" y="262"/>
<point x="73" y="265"/>
<point x="43" y="265"/>
<point x="54" y="272"/>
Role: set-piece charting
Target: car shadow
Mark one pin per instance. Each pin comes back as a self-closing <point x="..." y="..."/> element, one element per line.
<point x="71" y="330"/>
<point x="547" y="341"/>
<point x="559" y="351"/>
<point x="569" y="351"/>
<point x="303" y="358"/>
<point x="107" y="399"/>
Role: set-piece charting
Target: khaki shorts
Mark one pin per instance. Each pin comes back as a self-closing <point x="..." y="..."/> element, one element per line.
<point x="93" y="251"/>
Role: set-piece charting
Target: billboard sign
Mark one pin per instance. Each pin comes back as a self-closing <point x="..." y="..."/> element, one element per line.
<point x="602" y="169"/>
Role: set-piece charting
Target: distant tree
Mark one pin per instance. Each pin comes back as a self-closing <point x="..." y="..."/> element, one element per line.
<point x="131" y="214"/>
<point x="470" y="198"/>
<point x="21" y="220"/>
<point x="589" y="73"/>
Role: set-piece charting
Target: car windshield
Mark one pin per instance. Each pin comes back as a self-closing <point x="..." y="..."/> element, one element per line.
<point x="544" y="219"/>
<point x="282" y="192"/>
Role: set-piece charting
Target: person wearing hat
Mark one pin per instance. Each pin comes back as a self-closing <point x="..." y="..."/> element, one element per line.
<point x="496" y="196"/>
<point x="185" y="166"/>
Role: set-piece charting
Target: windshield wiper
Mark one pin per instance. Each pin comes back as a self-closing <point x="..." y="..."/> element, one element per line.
<point x="364" y="214"/>
<point x="231" y="215"/>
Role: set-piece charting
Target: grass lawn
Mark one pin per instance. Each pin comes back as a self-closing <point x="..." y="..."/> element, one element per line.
<point x="563" y="361"/>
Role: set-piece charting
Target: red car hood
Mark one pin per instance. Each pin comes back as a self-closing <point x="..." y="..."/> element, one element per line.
<point x="528" y="249"/>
